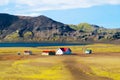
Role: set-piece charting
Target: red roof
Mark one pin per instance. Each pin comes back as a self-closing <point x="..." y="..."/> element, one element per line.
<point x="65" y="49"/>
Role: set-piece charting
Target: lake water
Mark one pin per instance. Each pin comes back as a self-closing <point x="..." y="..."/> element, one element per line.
<point x="38" y="44"/>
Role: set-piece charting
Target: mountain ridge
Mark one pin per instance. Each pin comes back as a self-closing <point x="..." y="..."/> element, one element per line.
<point x="41" y="28"/>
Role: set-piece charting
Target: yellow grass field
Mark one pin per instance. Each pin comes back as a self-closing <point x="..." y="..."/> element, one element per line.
<point x="102" y="64"/>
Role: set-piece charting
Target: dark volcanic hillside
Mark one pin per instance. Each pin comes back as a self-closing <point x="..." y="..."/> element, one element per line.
<point x="6" y="20"/>
<point x="41" y="28"/>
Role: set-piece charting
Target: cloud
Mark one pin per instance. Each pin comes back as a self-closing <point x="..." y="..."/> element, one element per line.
<point x="41" y="5"/>
<point x="35" y="6"/>
<point x="4" y="2"/>
<point x="28" y="14"/>
<point x="64" y="4"/>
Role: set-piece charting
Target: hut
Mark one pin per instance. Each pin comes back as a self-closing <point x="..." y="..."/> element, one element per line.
<point x="88" y="51"/>
<point x="47" y="52"/>
<point x="27" y="52"/>
<point x="62" y="51"/>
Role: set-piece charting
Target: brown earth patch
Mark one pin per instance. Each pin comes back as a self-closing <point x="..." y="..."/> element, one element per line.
<point x="16" y="57"/>
<point x="98" y="54"/>
<point x="19" y="57"/>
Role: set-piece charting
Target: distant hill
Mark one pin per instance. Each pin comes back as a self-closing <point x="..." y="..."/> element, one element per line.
<point x="90" y="32"/>
<point x="38" y="29"/>
<point x="85" y="27"/>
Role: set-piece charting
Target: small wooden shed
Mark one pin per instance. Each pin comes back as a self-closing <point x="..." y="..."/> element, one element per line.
<point x="47" y="52"/>
<point x="27" y="52"/>
<point x="61" y="51"/>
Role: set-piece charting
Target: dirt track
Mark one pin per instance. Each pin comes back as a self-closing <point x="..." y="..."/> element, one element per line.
<point x="77" y="70"/>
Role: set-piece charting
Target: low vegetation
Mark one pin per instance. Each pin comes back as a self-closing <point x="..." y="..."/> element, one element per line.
<point x="103" y="64"/>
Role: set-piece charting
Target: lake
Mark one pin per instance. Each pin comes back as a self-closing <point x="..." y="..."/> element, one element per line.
<point x="38" y="44"/>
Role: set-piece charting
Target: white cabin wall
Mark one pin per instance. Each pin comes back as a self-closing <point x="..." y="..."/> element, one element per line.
<point x="59" y="52"/>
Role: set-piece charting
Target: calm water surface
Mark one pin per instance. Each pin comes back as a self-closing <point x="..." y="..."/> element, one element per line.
<point x="38" y="44"/>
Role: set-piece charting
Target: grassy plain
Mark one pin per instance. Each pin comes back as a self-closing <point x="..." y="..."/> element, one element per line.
<point x="103" y="64"/>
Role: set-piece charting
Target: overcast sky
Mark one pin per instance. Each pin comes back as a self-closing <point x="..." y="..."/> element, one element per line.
<point x="101" y="12"/>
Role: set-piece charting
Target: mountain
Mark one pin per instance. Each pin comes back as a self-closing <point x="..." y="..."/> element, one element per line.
<point x="38" y="29"/>
<point x="22" y="28"/>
